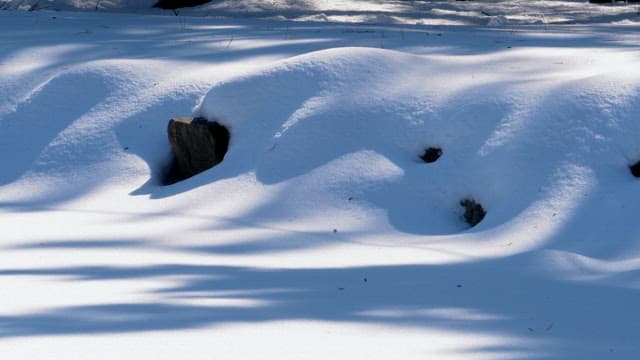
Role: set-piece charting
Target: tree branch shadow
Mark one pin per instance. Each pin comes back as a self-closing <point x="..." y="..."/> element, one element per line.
<point x="466" y="297"/>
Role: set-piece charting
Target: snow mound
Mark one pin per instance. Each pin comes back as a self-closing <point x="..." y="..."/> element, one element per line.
<point x="333" y="139"/>
<point x="351" y="123"/>
<point x="31" y="5"/>
<point x="323" y="224"/>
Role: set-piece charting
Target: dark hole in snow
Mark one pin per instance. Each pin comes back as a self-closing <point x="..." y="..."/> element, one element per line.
<point x="473" y="212"/>
<point x="197" y="145"/>
<point x="176" y="4"/>
<point x="431" y="154"/>
<point x="170" y="173"/>
<point x="635" y="169"/>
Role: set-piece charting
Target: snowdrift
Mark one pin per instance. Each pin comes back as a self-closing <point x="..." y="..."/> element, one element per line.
<point x="347" y="126"/>
<point x="330" y="142"/>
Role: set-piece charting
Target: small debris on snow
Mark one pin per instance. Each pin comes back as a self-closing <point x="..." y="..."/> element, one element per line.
<point x="499" y="20"/>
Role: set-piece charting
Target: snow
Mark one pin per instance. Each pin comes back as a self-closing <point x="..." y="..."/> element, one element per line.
<point x="321" y="234"/>
<point x="414" y="12"/>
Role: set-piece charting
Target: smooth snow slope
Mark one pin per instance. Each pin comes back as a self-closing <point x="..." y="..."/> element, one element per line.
<point x="321" y="234"/>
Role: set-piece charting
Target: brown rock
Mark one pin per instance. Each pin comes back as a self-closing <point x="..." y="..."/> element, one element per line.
<point x="198" y="145"/>
<point x="176" y="4"/>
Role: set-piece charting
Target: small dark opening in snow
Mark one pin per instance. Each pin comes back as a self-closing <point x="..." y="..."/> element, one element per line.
<point x="197" y="144"/>
<point x="170" y="173"/>
<point x="176" y="4"/>
<point x="431" y="154"/>
<point x="635" y="169"/>
<point x="222" y="136"/>
<point x="473" y="212"/>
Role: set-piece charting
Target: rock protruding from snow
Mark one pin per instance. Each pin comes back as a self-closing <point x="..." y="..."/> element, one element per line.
<point x="431" y="155"/>
<point x="473" y="213"/>
<point x="198" y="145"/>
<point x="176" y="4"/>
<point x="635" y="169"/>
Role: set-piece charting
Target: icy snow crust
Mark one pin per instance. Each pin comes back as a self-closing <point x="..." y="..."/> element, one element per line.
<point x="322" y="234"/>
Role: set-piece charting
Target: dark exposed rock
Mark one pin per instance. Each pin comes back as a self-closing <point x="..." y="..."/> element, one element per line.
<point x="176" y="4"/>
<point x="473" y="211"/>
<point x="197" y="144"/>
<point x="635" y="169"/>
<point x="431" y="154"/>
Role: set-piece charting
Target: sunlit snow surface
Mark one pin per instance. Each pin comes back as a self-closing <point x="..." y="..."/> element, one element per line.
<point x="409" y="12"/>
<point x="322" y="234"/>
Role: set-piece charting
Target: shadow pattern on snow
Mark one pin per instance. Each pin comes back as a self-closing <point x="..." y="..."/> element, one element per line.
<point x="28" y="131"/>
<point x="585" y="314"/>
<point x="198" y="42"/>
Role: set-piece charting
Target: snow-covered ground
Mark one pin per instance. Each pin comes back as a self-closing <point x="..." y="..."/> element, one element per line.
<point x="322" y="234"/>
<point x="409" y="12"/>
